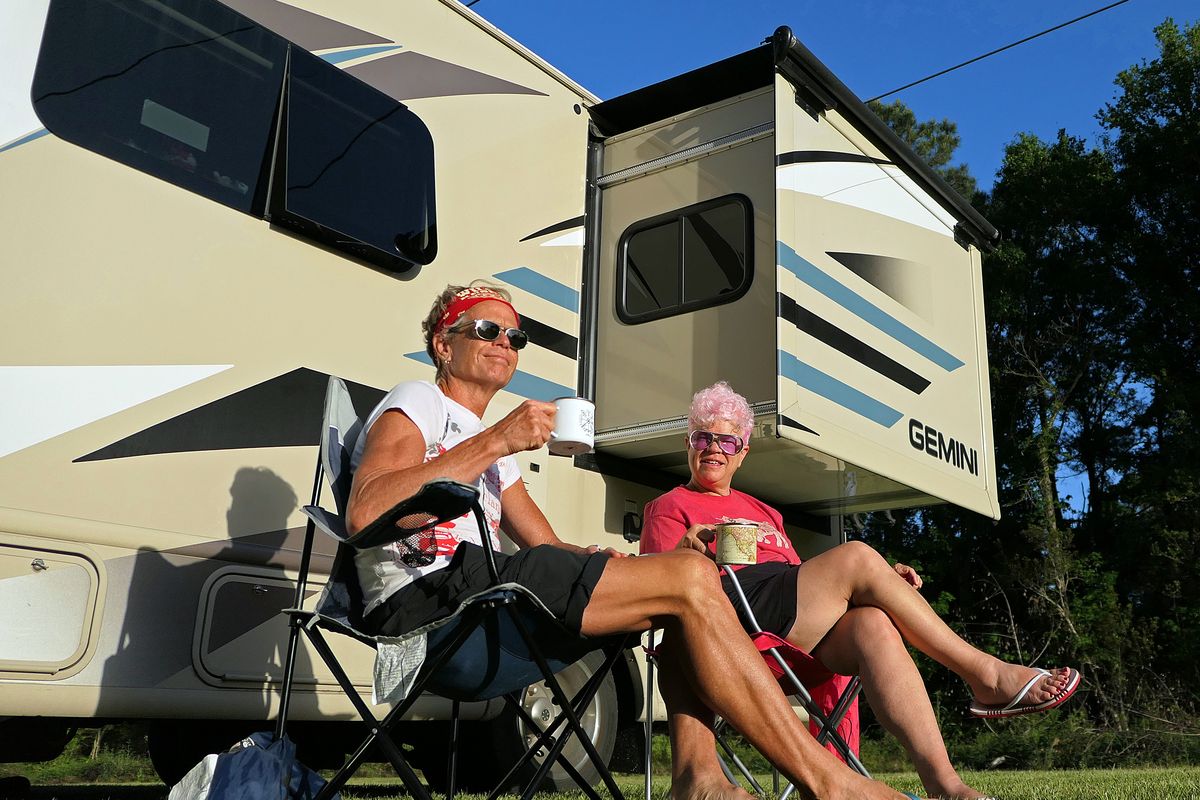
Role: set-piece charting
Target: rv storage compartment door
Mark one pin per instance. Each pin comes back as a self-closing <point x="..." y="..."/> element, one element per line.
<point x="47" y="608"/>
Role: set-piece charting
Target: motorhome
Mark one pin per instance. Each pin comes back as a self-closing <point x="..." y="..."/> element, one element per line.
<point x="206" y="208"/>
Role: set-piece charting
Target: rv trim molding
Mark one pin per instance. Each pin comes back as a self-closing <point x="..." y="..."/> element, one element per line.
<point x="798" y="64"/>
<point x="717" y="145"/>
<point x="753" y="70"/>
<point x="761" y="409"/>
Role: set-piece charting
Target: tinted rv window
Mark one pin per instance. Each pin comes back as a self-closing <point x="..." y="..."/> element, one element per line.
<point x="359" y="164"/>
<point x="190" y="91"/>
<point x="685" y="260"/>
<point x="185" y="90"/>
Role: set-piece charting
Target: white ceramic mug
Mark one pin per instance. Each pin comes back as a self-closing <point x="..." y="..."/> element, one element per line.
<point x="574" y="426"/>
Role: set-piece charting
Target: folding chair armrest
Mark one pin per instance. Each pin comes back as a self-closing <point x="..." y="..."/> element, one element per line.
<point x="330" y="524"/>
<point x="442" y="499"/>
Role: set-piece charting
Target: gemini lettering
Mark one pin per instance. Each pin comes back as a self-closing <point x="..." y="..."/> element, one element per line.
<point x="934" y="443"/>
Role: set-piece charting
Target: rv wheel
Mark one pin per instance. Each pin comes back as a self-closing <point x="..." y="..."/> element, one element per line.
<point x="511" y="736"/>
<point x="489" y="749"/>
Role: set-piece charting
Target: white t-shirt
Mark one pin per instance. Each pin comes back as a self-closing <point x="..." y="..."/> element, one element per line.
<point x="443" y="423"/>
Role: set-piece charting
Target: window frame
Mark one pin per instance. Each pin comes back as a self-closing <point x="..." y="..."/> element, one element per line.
<point x="678" y="215"/>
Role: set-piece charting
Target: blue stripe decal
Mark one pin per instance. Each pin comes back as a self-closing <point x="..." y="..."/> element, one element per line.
<point x="790" y="260"/>
<point x="546" y="288"/>
<point x="833" y="389"/>
<point x="26" y="138"/>
<point x="358" y="52"/>
<point x="522" y="383"/>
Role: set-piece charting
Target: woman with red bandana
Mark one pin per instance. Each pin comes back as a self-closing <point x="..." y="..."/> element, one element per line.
<point x="422" y="431"/>
<point x="846" y="607"/>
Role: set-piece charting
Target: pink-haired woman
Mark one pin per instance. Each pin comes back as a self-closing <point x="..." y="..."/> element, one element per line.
<point x="847" y="607"/>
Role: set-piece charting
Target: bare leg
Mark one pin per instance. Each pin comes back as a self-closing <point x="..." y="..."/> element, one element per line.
<point x="853" y="575"/>
<point x="680" y="593"/>
<point x="695" y="772"/>
<point x="864" y="642"/>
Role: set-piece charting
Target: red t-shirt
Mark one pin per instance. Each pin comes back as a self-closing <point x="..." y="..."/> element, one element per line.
<point x="668" y="518"/>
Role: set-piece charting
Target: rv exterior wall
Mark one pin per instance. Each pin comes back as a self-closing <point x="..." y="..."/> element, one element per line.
<point x="686" y="351"/>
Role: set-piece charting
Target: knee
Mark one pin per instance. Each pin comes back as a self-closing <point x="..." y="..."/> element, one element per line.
<point x="697" y="578"/>
<point x="861" y="556"/>
<point x="872" y="628"/>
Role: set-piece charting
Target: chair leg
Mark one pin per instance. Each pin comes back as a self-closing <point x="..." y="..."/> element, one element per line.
<point x="827" y="731"/>
<point x="546" y="736"/>
<point x="452" y="767"/>
<point x="379" y="728"/>
<point x="731" y="754"/>
<point x="648" y="760"/>
<point x="567" y="709"/>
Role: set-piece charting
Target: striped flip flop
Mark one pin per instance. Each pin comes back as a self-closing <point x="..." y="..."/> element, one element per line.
<point x="1017" y="707"/>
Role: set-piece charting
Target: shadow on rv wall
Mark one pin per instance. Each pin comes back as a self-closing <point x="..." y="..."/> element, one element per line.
<point x="206" y="615"/>
<point x="260" y="501"/>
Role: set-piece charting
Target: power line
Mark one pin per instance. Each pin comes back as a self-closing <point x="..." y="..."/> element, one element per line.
<point x="997" y="50"/>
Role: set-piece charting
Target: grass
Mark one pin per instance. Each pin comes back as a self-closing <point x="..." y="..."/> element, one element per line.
<point x="121" y="770"/>
<point x="1170" y="783"/>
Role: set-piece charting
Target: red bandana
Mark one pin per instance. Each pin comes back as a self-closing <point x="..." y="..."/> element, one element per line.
<point x="468" y="297"/>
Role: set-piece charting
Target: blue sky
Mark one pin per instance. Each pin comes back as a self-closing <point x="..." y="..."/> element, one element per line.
<point x="1058" y="81"/>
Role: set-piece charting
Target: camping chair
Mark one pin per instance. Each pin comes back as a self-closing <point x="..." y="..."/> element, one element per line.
<point x="830" y="700"/>
<point x="499" y="641"/>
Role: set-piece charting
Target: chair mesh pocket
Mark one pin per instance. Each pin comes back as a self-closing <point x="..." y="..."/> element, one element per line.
<point x="418" y="547"/>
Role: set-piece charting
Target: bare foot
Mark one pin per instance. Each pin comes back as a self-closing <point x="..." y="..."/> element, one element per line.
<point x="955" y="791"/>
<point x="852" y="786"/>
<point x="707" y="788"/>
<point x="1007" y="680"/>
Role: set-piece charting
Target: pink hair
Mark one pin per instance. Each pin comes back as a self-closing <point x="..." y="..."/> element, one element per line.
<point x="720" y="402"/>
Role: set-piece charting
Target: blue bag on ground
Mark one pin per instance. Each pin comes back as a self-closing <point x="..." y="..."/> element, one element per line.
<point x="258" y="767"/>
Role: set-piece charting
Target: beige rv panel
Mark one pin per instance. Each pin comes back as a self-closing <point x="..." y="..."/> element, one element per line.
<point x="882" y="360"/>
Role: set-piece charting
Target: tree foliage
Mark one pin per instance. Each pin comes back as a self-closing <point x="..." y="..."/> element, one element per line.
<point x="933" y="140"/>
<point x="1093" y="308"/>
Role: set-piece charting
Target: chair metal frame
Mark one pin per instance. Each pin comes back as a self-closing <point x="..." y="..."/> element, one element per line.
<point x="826" y="723"/>
<point x="439" y="501"/>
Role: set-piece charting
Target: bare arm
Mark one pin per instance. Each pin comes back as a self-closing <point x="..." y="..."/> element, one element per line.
<point x="393" y="465"/>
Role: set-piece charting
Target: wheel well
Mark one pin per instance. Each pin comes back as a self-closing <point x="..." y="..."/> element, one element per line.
<point x="631" y="694"/>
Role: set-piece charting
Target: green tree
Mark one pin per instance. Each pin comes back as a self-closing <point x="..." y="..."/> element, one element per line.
<point x="1154" y="132"/>
<point x="933" y="140"/>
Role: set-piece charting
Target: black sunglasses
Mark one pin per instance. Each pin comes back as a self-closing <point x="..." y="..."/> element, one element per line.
<point x="488" y="331"/>
<point x="730" y="445"/>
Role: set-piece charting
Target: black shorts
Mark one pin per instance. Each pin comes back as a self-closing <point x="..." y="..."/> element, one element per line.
<point x="771" y="589"/>
<point x="563" y="580"/>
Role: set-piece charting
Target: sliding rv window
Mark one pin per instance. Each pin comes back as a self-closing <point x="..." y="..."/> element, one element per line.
<point x="685" y="260"/>
<point x="358" y="166"/>
<point x="190" y="91"/>
<point x="184" y="90"/>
